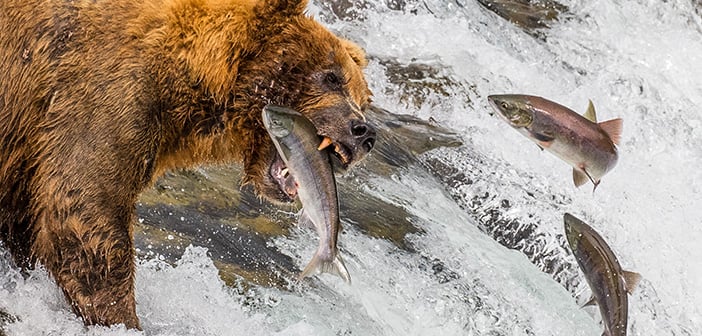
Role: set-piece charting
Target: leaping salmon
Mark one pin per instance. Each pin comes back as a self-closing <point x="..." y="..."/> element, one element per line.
<point x="608" y="282"/>
<point x="588" y="146"/>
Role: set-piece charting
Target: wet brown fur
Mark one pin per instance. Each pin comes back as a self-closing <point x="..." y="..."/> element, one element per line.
<point x="100" y="97"/>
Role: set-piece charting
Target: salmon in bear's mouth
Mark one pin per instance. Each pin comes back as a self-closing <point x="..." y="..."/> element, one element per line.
<point x="287" y="184"/>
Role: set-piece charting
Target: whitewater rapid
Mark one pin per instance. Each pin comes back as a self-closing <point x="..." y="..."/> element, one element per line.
<point x="638" y="60"/>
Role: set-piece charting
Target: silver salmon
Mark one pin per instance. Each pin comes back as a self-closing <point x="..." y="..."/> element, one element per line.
<point x="608" y="282"/>
<point x="588" y="146"/>
<point x="297" y="142"/>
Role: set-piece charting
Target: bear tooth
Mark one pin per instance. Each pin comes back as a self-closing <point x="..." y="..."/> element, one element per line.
<point x="326" y="142"/>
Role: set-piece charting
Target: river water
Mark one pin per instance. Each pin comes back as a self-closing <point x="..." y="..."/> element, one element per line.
<point x="465" y="240"/>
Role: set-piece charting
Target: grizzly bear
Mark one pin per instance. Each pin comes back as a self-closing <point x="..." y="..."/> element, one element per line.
<point x="98" y="98"/>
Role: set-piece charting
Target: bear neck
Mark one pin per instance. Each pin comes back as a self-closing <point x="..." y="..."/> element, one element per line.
<point x="215" y="73"/>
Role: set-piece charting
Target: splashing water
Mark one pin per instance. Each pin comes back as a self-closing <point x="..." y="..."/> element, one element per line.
<point x="638" y="60"/>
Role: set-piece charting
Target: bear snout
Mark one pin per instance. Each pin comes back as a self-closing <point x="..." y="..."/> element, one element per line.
<point x="353" y="141"/>
<point x="364" y="134"/>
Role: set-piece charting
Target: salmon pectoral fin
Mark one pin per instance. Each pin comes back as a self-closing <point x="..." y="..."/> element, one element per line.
<point x="631" y="280"/>
<point x="613" y="128"/>
<point x="590" y="302"/>
<point x="590" y="113"/>
<point x="579" y="178"/>
<point x="582" y="176"/>
<point x="304" y="220"/>
<point x="543" y="139"/>
<point x="594" y="185"/>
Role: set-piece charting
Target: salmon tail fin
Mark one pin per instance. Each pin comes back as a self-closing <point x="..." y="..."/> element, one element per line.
<point x="338" y="268"/>
<point x="613" y="128"/>
<point x="579" y="178"/>
<point x="631" y="280"/>
<point x="319" y="264"/>
<point x="590" y="113"/>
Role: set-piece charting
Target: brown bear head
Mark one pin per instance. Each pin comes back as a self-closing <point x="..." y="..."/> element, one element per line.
<point x="303" y="65"/>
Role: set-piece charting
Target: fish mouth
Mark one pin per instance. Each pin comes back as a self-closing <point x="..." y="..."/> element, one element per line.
<point x="514" y="112"/>
<point x="285" y="181"/>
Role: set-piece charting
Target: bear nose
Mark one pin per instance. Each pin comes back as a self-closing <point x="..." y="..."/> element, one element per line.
<point x="364" y="134"/>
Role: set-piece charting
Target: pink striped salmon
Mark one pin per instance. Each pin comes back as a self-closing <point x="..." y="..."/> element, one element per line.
<point x="588" y="146"/>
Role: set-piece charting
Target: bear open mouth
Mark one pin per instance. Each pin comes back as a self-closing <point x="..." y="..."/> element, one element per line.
<point x="286" y="182"/>
<point x="341" y="151"/>
<point x="281" y="175"/>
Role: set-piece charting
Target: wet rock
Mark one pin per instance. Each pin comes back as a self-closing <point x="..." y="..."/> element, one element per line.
<point x="356" y="10"/>
<point x="375" y="218"/>
<point x="344" y="10"/>
<point x="547" y="251"/>
<point x="401" y="138"/>
<point x="424" y="82"/>
<point x="207" y="207"/>
<point x="5" y="319"/>
<point x="237" y="248"/>
<point x="530" y="15"/>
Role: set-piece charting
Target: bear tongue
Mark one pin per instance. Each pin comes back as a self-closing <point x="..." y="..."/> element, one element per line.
<point x="288" y="183"/>
<point x="283" y="178"/>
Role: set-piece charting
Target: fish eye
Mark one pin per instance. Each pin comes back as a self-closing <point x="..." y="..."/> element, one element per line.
<point x="504" y="105"/>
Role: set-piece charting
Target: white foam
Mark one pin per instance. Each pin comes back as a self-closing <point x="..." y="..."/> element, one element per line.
<point x="639" y="60"/>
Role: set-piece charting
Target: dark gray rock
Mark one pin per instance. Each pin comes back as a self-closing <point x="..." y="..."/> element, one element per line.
<point x="206" y="207"/>
<point x="530" y="15"/>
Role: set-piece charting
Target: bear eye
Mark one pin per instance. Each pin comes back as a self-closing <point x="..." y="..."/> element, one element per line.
<point x="332" y="79"/>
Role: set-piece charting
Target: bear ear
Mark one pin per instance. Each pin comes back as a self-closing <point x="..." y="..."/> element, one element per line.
<point x="277" y="8"/>
<point x="357" y="54"/>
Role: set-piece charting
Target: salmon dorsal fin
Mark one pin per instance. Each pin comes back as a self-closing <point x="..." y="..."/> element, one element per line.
<point x="613" y="128"/>
<point x="590" y="112"/>
<point x="631" y="280"/>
